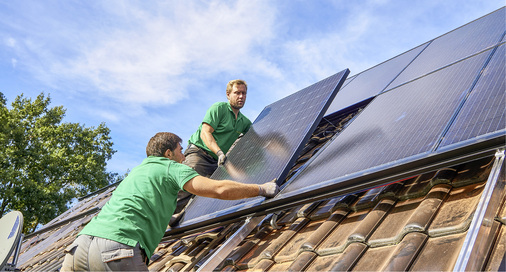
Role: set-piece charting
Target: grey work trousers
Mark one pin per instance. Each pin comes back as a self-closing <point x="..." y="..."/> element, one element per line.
<point x="90" y="253"/>
<point x="198" y="159"/>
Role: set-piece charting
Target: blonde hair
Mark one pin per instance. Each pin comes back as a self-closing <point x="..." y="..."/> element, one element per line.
<point x="231" y="84"/>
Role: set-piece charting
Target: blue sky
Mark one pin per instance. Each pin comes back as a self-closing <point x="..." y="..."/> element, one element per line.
<point x="148" y="66"/>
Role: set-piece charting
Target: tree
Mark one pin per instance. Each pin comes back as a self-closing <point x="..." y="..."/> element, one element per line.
<point x="44" y="162"/>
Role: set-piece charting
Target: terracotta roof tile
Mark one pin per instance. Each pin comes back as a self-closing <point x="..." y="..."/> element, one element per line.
<point x="293" y="247"/>
<point x="276" y="245"/>
<point x="372" y="220"/>
<point x="498" y="256"/>
<point x="456" y="212"/>
<point x="439" y="254"/>
<point x="425" y="212"/>
<point x="405" y="252"/>
<point x="392" y="229"/>
<point x="302" y="261"/>
<point x="323" y="231"/>
<point x="337" y="240"/>
<point x="255" y="256"/>
<point x="373" y="258"/>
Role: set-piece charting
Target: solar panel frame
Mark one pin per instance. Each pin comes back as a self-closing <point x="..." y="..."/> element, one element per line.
<point x="251" y="151"/>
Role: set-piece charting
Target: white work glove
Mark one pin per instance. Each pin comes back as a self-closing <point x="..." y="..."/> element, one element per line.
<point x="268" y="189"/>
<point x="221" y="158"/>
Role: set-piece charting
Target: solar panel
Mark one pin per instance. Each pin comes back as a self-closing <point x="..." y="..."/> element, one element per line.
<point x="457" y="44"/>
<point x="372" y="81"/>
<point x="484" y="112"/>
<point x="270" y="147"/>
<point x="405" y="122"/>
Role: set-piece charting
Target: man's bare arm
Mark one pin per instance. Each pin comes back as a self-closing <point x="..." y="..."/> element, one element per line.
<point x="206" y="134"/>
<point x="221" y="189"/>
<point x="229" y="189"/>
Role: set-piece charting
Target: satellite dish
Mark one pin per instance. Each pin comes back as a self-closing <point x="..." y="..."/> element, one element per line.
<point x="11" y="226"/>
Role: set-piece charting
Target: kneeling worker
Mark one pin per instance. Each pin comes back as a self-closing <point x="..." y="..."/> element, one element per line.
<point x="131" y="224"/>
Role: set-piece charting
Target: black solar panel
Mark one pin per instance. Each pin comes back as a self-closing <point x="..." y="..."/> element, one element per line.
<point x="372" y="81"/>
<point x="484" y="112"/>
<point x="269" y="149"/>
<point x="405" y="122"/>
<point x="457" y="44"/>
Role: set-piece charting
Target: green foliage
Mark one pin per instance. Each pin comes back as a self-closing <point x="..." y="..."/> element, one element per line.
<point x="44" y="162"/>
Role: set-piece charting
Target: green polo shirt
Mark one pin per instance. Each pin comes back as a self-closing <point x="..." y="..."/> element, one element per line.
<point x="226" y="127"/>
<point x="140" y="209"/>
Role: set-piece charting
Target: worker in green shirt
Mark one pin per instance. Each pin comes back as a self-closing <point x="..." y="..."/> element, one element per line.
<point x="130" y="225"/>
<point x="222" y="125"/>
<point x="208" y="146"/>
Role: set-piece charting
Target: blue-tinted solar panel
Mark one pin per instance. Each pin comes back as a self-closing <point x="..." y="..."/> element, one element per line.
<point x="401" y="124"/>
<point x="457" y="44"/>
<point x="372" y="81"/>
<point x="271" y="145"/>
<point x="484" y="112"/>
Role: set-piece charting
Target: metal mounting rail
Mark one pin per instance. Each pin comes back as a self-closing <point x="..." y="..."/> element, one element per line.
<point x="220" y="255"/>
<point x="480" y="235"/>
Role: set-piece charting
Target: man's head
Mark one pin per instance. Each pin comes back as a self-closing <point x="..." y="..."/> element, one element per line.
<point x="165" y="144"/>
<point x="236" y="93"/>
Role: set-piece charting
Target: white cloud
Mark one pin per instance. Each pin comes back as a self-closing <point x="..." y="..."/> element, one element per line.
<point x="156" y="61"/>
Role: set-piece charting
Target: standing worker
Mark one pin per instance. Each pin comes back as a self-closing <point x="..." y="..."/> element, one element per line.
<point x="222" y="125"/>
<point x="131" y="224"/>
<point x="208" y="146"/>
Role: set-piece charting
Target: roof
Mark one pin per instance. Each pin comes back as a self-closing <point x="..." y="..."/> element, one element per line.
<point x="451" y="217"/>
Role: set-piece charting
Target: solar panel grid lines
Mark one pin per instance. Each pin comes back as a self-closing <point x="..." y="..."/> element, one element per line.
<point x="456" y="44"/>
<point x="484" y="111"/>
<point x="270" y="147"/>
<point x="373" y="81"/>
<point x="404" y="122"/>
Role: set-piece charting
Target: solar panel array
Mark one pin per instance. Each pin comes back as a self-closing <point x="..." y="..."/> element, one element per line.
<point x="269" y="149"/>
<point x="398" y="124"/>
<point x="452" y="91"/>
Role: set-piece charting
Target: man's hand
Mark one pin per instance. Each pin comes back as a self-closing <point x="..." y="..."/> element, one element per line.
<point x="221" y="158"/>
<point x="268" y="189"/>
